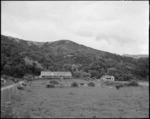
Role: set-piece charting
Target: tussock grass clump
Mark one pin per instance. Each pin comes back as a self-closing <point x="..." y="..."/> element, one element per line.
<point x="50" y="86"/>
<point x="61" y="86"/>
<point x="54" y="82"/>
<point x="29" y="90"/>
<point x="71" y="93"/>
<point x="74" y="84"/>
<point x="91" y="84"/>
<point x="94" y="117"/>
<point x="81" y="84"/>
<point x="7" y="111"/>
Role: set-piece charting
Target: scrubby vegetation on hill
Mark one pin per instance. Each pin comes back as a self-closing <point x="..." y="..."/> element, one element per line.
<point x="20" y="57"/>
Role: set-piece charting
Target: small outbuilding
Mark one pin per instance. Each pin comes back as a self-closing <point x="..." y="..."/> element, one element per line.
<point x="50" y="74"/>
<point x="107" y="78"/>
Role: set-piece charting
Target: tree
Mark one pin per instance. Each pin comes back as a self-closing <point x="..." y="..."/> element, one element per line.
<point x="142" y="68"/>
<point x="3" y="61"/>
<point x="67" y="67"/>
<point x="7" y="70"/>
<point x="19" y="71"/>
<point x="95" y="73"/>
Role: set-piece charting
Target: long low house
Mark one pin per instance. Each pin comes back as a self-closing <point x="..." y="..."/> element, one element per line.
<point x="50" y="74"/>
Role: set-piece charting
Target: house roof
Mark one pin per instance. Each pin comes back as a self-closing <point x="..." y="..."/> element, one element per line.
<point x="49" y="73"/>
<point x="107" y="76"/>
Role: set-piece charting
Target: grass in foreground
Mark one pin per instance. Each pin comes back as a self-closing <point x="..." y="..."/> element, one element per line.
<point x="83" y="102"/>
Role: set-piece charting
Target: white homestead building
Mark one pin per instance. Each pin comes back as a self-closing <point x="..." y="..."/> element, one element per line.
<point x="108" y="78"/>
<point x="50" y="74"/>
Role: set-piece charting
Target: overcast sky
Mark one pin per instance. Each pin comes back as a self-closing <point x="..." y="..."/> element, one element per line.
<point x="119" y="27"/>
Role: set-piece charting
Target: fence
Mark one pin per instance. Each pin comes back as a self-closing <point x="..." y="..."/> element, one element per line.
<point x="8" y="91"/>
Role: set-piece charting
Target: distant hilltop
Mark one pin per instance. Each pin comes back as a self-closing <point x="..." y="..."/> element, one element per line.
<point x="137" y="56"/>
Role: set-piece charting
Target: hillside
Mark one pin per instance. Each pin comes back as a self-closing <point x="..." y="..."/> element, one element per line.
<point x="20" y="57"/>
<point x="136" y="56"/>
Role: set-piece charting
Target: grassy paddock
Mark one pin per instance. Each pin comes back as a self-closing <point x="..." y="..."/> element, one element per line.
<point x="8" y="82"/>
<point x="82" y="102"/>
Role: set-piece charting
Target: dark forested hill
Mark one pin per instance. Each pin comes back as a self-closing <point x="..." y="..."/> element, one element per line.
<point x="20" y="57"/>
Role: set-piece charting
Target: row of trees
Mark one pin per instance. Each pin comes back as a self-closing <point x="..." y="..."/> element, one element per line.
<point x="81" y="65"/>
<point x="16" y="66"/>
<point x="20" y="70"/>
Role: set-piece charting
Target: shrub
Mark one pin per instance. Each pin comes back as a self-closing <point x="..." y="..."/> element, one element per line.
<point x="54" y="82"/>
<point x="87" y="79"/>
<point x="28" y="77"/>
<point x="127" y="77"/>
<point x="15" y="80"/>
<point x="82" y="84"/>
<point x="91" y="84"/>
<point x="61" y="86"/>
<point x="108" y="83"/>
<point x="50" y="86"/>
<point x="119" y="86"/>
<point x="74" y="84"/>
<point x="93" y="78"/>
<point x="10" y="78"/>
<point x="71" y="93"/>
<point x="132" y="83"/>
<point x="20" y="87"/>
<point x="24" y="84"/>
<point x="85" y="75"/>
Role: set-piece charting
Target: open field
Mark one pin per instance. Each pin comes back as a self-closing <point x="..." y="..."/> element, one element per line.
<point x="82" y="102"/>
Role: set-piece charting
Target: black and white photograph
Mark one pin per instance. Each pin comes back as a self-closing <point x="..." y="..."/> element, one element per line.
<point x="75" y="59"/>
